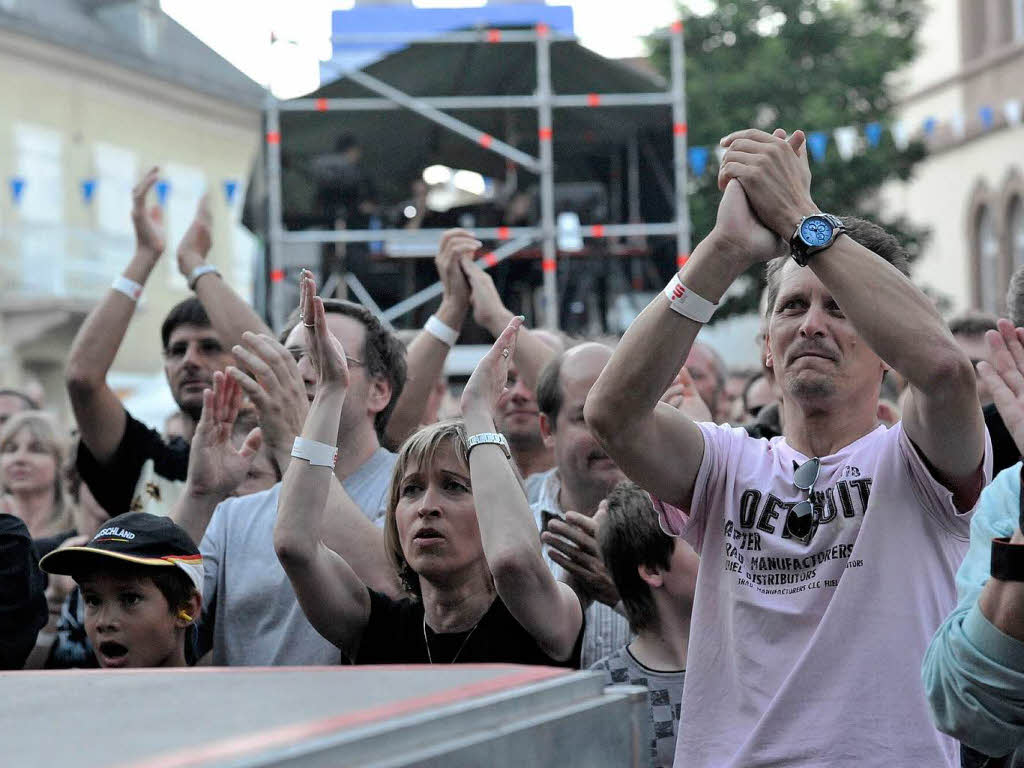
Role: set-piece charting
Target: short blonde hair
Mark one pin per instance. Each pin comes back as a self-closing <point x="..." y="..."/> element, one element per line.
<point x="418" y="450"/>
<point x="43" y="427"/>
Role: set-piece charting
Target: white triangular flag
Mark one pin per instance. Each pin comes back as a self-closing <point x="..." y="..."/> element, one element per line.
<point x="1014" y="111"/>
<point x="720" y="153"/>
<point x="957" y="125"/>
<point x="900" y="134"/>
<point x="846" y="141"/>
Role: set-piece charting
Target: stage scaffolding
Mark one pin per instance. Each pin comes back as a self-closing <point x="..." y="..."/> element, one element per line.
<point x="513" y="239"/>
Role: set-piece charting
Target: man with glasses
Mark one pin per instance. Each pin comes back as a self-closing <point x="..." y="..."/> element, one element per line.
<point x="827" y="554"/>
<point x="126" y="465"/>
<point x="251" y="615"/>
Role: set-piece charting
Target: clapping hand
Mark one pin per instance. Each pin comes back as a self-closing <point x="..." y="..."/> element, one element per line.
<point x="326" y="354"/>
<point x="487" y="386"/>
<point x="456" y="244"/>
<point x="197" y="241"/>
<point x="572" y="544"/>
<point x="215" y="467"/>
<point x="149" y="231"/>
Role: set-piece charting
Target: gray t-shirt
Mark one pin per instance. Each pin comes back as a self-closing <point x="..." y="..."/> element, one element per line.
<point x="250" y="614"/>
<point x="664" y="693"/>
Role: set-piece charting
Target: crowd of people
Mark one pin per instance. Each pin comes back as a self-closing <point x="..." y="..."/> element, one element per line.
<point x="805" y="564"/>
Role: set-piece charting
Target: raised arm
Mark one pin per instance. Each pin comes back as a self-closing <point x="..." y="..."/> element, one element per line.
<point x="229" y="314"/>
<point x="100" y="415"/>
<point x="655" y="444"/>
<point x="332" y="596"/>
<point x="277" y="389"/>
<point x="547" y="609"/>
<point x="941" y="415"/>
<point x="426" y="354"/>
<point x="490" y="312"/>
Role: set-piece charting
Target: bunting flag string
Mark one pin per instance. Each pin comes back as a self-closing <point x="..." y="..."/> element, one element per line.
<point x="230" y="189"/>
<point x="851" y="140"/>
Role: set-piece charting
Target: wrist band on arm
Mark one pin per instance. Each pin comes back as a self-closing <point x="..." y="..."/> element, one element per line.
<point x="128" y="287"/>
<point x="316" y="453"/>
<point x="441" y="331"/>
<point x="687" y="303"/>
<point x="195" y="274"/>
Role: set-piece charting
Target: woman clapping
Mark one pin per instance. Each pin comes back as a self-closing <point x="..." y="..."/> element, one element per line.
<point x="458" y="529"/>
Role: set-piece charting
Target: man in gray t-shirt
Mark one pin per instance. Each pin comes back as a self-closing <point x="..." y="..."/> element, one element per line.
<point x="250" y="614"/>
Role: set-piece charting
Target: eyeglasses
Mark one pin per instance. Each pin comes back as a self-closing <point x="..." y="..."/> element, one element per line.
<point x="298" y="353"/>
<point x="800" y="520"/>
<point x="670" y="519"/>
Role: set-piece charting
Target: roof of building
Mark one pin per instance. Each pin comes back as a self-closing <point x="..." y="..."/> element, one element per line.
<point x="134" y="35"/>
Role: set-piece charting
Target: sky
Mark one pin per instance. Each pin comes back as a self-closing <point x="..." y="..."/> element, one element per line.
<point x="239" y="30"/>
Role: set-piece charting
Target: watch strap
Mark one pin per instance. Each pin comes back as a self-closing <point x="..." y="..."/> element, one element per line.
<point x="488" y="438"/>
<point x="801" y="251"/>
<point x="195" y="274"/>
<point x="1007" y="560"/>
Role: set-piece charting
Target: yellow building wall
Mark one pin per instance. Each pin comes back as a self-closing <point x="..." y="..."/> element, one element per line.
<point x="89" y="102"/>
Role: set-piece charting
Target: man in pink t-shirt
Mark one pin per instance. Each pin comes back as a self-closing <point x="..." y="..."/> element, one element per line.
<point x="827" y="554"/>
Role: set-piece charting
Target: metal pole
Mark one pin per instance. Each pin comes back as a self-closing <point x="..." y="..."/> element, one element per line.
<point x="549" y="263"/>
<point x="633" y="178"/>
<point x="679" y="131"/>
<point x="276" y="310"/>
<point x="453" y="124"/>
<point x="366" y="299"/>
<point x="558" y="101"/>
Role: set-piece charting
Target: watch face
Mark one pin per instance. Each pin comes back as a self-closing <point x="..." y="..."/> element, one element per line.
<point x="815" y="231"/>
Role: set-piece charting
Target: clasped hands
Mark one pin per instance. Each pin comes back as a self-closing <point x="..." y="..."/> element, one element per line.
<point x="766" y="183"/>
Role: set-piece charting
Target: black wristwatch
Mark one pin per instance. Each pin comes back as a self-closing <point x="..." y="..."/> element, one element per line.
<point x="1007" y="558"/>
<point x="814" y="233"/>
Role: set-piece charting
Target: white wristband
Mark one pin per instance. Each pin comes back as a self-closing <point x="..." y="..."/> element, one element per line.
<point x="687" y="303"/>
<point x="129" y="288"/>
<point x="195" y="274"/>
<point x="441" y="331"/>
<point x="316" y="453"/>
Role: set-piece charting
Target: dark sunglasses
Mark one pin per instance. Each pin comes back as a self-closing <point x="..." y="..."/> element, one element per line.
<point x="800" y="520"/>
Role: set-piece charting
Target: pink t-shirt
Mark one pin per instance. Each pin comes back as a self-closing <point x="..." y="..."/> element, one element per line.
<point x="809" y="653"/>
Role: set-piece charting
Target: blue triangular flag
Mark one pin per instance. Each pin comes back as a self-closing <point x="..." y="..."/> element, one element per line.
<point x="230" y="188"/>
<point x="874" y="133"/>
<point x="929" y="126"/>
<point x="88" y="188"/>
<point x="163" y="188"/>
<point x="987" y="116"/>
<point x="817" y="141"/>
<point x="698" y="159"/>
<point x="17" y="187"/>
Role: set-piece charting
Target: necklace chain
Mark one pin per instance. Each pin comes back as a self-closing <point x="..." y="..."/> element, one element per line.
<point x="426" y="642"/>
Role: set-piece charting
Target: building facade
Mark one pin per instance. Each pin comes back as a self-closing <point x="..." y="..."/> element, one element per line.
<point x="965" y="92"/>
<point x="93" y="93"/>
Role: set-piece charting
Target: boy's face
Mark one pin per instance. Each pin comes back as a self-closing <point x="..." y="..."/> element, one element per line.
<point x="128" y="620"/>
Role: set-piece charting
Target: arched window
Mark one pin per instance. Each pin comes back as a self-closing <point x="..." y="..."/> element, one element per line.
<point x="987" y="248"/>
<point x="1015" y="231"/>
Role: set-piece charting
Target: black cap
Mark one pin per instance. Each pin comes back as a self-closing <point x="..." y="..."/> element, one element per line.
<point x="134" y="537"/>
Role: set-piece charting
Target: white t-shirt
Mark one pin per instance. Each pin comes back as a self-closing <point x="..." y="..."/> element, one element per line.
<point x="809" y="653"/>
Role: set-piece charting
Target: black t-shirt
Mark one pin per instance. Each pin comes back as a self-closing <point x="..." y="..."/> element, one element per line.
<point x="23" y="610"/>
<point x="113" y="484"/>
<point x="1004" y="451"/>
<point x="394" y="635"/>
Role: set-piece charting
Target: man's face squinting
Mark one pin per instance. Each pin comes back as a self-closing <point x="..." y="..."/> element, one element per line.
<point x="192" y="356"/>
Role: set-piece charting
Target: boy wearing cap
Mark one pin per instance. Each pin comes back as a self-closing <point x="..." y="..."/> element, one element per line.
<point x="141" y="580"/>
